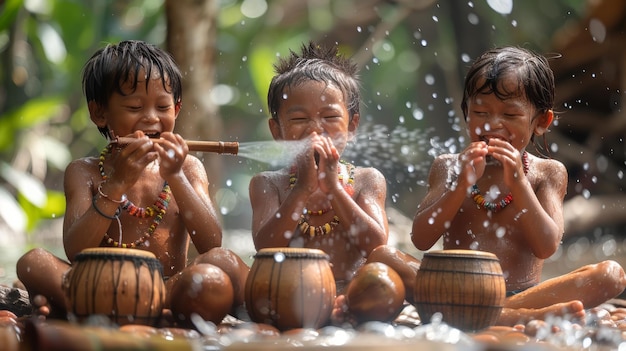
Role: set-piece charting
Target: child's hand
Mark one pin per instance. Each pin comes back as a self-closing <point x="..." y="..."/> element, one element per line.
<point x="472" y="163"/>
<point x="328" y="162"/>
<point x="130" y="161"/>
<point x="509" y="157"/>
<point x="306" y="166"/>
<point x="172" y="150"/>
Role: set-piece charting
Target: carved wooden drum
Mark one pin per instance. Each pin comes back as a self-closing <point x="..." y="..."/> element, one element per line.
<point x="466" y="286"/>
<point x="125" y="285"/>
<point x="290" y="288"/>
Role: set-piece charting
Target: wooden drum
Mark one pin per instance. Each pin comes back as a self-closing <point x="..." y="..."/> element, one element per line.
<point x="125" y="285"/>
<point x="467" y="287"/>
<point x="290" y="288"/>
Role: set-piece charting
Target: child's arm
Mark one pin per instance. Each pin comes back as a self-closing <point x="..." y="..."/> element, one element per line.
<point x="364" y="217"/>
<point x="189" y="183"/>
<point x="541" y="207"/>
<point x="273" y="222"/>
<point x="83" y="226"/>
<point x="448" y="182"/>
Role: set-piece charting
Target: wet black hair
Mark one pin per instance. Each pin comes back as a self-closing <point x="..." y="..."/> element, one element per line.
<point x="112" y="66"/>
<point x="535" y="79"/>
<point x="317" y="63"/>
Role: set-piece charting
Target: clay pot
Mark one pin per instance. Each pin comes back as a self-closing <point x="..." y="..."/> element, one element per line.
<point x="203" y="289"/>
<point x="467" y="287"/>
<point x="126" y="285"/>
<point x="290" y="288"/>
<point x="375" y="293"/>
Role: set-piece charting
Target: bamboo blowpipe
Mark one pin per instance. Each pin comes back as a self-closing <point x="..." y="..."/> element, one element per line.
<point x="220" y="147"/>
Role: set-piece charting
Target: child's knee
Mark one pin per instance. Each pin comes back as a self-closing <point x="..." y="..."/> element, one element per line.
<point x="381" y="254"/>
<point x="25" y="263"/>
<point x="613" y="269"/>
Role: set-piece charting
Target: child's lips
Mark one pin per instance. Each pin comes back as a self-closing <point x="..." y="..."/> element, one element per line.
<point x="487" y="139"/>
<point x="152" y="135"/>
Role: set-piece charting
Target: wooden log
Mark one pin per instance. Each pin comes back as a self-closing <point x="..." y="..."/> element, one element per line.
<point x="15" y="300"/>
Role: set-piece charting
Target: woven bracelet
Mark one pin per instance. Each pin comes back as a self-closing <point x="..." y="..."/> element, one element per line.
<point x="116" y="215"/>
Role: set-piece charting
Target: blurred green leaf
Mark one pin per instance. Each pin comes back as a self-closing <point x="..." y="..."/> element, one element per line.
<point x="8" y="13"/>
<point x="31" y="113"/>
<point x="26" y="184"/>
<point x="12" y="213"/>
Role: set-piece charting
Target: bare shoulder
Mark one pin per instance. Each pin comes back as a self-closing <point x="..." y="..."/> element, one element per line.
<point x="265" y="179"/>
<point x="193" y="162"/>
<point x="369" y="178"/>
<point x="442" y="164"/>
<point x="548" y="170"/>
<point x="82" y="168"/>
<point x="194" y="168"/>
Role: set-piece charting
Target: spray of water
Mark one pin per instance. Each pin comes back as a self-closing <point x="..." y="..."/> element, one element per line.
<point x="274" y="153"/>
<point x="401" y="154"/>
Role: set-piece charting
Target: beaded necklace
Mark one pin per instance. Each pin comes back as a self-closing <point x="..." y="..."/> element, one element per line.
<point x="156" y="210"/>
<point x="313" y="230"/>
<point x="328" y="227"/>
<point x="496" y="206"/>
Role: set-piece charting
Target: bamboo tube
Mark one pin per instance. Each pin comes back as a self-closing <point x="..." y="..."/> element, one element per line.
<point x="220" y="147"/>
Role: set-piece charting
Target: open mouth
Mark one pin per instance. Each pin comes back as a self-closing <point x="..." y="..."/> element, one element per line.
<point x="153" y="135"/>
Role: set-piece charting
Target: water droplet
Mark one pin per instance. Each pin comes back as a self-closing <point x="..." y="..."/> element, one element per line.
<point x="597" y="30"/>
<point x="418" y="114"/>
<point x="279" y="257"/>
<point x="503" y="7"/>
<point x="472" y="18"/>
<point x="500" y="232"/>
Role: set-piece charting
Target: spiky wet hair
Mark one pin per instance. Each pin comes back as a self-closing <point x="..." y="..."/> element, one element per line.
<point x="315" y="63"/>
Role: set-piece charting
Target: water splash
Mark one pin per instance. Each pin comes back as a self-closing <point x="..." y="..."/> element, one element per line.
<point x="273" y="153"/>
<point x="400" y="154"/>
<point x="403" y="155"/>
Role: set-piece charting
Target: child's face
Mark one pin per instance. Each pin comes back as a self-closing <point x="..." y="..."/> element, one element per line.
<point x="514" y="120"/>
<point x="150" y="109"/>
<point x="314" y="107"/>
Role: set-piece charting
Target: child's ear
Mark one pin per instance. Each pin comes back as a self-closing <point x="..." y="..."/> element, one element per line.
<point x="275" y="129"/>
<point x="543" y="122"/>
<point x="177" y="108"/>
<point x="97" y="114"/>
<point x="353" y="125"/>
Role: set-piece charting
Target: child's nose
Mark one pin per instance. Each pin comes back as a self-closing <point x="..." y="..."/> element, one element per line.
<point x="151" y="116"/>
<point x="316" y="126"/>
